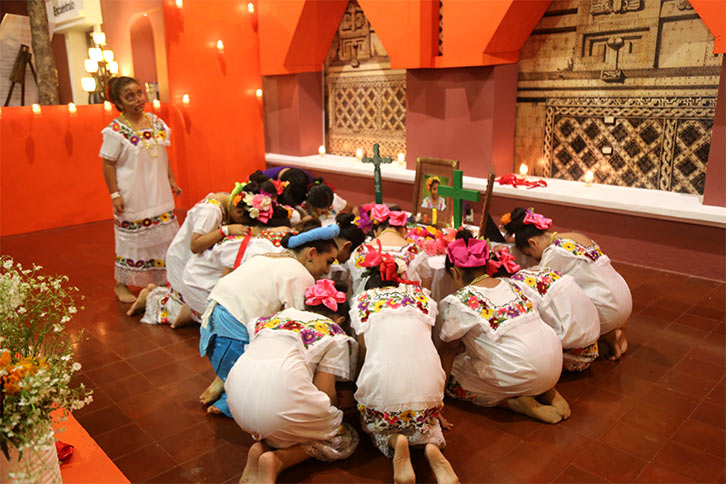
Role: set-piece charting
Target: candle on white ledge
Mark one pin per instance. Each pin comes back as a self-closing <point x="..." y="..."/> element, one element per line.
<point x="589" y="177"/>
<point x="156" y="104"/>
<point x="401" y="159"/>
<point x="433" y="216"/>
<point x="523" y="169"/>
<point x="185" y="100"/>
<point x="258" y="93"/>
<point x="359" y="153"/>
<point x="72" y="109"/>
<point x="107" y="106"/>
<point x="321" y="150"/>
<point x="220" y="47"/>
<point x="251" y="7"/>
<point x="36" y="110"/>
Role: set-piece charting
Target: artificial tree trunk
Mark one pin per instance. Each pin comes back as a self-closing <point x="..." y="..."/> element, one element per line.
<point x="43" y="53"/>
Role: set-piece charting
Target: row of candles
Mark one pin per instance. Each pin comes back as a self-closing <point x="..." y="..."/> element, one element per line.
<point x="589" y="175"/>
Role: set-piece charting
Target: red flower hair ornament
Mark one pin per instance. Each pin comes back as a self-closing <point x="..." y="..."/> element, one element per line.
<point x="325" y="293"/>
<point x="389" y="269"/>
<point x="504" y="259"/>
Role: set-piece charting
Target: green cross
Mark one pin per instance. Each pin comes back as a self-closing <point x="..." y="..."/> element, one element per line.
<point x="458" y="193"/>
<point x="377" y="160"/>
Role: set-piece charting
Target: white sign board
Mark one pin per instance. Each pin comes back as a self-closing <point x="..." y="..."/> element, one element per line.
<point x="67" y="15"/>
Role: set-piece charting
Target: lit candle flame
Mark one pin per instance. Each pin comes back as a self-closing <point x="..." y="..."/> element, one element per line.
<point x="589" y="177"/>
<point x="36" y="109"/>
<point x="523" y="169"/>
<point x="107" y="106"/>
<point x="156" y="104"/>
<point x="72" y="108"/>
<point x="401" y="158"/>
<point x="258" y="93"/>
<point x="185" y="99"/>
<point x="359" y="153"/>
<point x="220" y="46"/>
<point x="321" y="150"/>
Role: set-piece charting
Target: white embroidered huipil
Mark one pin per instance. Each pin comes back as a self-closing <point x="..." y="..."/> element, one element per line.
<point x="593" y="272"/>
<point x="510" y="351"/>
<point x="270" y="388"/>
<point x="147" y="225"/>
<point x="561" y="304"/>
<point x="414" y="259"/>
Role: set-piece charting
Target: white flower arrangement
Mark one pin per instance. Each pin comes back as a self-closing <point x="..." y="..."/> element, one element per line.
<point x="36" y="359"/>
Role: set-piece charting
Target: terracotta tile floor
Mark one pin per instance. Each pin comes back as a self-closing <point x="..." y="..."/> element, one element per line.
<point x="655" y="416"/>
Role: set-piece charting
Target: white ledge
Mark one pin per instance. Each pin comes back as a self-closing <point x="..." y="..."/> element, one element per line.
<point x="608" y="198"/>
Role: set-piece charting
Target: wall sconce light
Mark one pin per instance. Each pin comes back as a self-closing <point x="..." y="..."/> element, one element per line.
<point x="321" y="150"/>
<point x="72" y="109"/>
<point x="258" y="93"/>
<point x="99" y="38"/>
<point x="88" y="84"/>
<point x="523" y="169"/>
<point x="156" y="104"/>
<point x="179" y="3"/>
<point x="91" y="65"/>
<point x="220" y="47"/>
<point x="96" y="54"/>
<point x="113" y="67"/>
<point x="185" y="100"/>
<point x="251" y="7"/>
<point x="107" y="106"/>
<point x="359" y="153"/>
<point x="108" y="55"/>
<point x="36" y="110"/>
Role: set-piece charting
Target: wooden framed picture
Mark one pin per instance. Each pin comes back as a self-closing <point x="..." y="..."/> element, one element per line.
<point x="430" y="173"/>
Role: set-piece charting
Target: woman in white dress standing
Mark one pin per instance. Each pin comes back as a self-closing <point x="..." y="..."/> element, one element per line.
<point x="141" y="182"/>
<point x="498" y="350"/>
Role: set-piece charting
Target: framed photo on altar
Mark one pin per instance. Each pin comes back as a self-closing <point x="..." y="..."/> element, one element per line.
<point x="428" y="206"/>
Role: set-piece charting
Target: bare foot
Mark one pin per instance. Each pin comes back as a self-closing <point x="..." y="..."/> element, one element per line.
<point x="213" y="392"/>
<point x="555" y="399"/>
<point x="140" y="302"/>
<point x="268" y="467"/>
<point x="531" y="407"/>
<point x="250" y="472"/>
<point x="183" y="319"/>
<point x="611" y="341"/>
<point x="445" y="424"/>
<point x="442" y="468"/>
<point x="212" y="410"/>
<point x="402" y="467"/>
<point x="123" y="293"/>
<point x="622" y="342"/>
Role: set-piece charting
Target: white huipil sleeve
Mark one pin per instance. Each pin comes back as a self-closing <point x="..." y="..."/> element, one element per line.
<point x="208" y="218"/>
<point x="455" y="323"/>
<point x="292" y="286"/>
<point x="111" y="147"/>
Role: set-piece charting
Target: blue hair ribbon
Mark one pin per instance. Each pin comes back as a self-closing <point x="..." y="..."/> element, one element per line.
<point x="321" y="233"/>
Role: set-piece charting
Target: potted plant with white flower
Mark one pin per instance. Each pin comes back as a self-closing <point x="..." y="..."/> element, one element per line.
<point x="36" y="367"/>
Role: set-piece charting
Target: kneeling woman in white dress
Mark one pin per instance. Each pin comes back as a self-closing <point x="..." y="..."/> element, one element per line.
<point x="510" y="356"/>
<point x="561" y="304"/>
<point x="401" y="384"/>
<point x="282" y="389"/>
<point x="263" y="285"/>
<point x="578" y="256"/>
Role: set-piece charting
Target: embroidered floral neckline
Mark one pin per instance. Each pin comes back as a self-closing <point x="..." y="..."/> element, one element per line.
<point x="575" y="248"/>
<point x="539" y="279"/>
<point x="493" y="314"/>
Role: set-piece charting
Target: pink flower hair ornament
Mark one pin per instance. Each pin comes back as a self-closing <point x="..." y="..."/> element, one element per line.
<point x="381" y="213"/>
<point x="325" y="293"/>
<point x="536" y="219"/>
<point x="475" y="253"/>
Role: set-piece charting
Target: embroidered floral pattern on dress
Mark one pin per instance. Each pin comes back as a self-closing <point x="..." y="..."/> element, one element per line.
<point x="579" y="359"/>
<point x="273" y="236"/>
<point x="164" y="312"/>
<point x="495" y="315"/>
<point x="406" y="419"/>
<point x="593" y="252"/>
<point x="539" y="280"/>
<point x="140" y="264"/>
<point x="310" y="331"/>
<point x="454" y="389"/>
<point x="135" y="226"/>
<point x="133" y="138"/>
<point x="406" y="254"/>
<point x="374" y="300"/>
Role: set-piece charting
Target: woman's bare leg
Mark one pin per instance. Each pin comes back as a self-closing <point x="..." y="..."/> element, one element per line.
<point x="532" y="408"/>
<point x="213" y="392"/>
<point x="123" y="293"/>
<point x="442" y="468"/>
<point x="402" y="467"/>
<point x="272" y="463"/>
<point x="140" y="302"/>
<point x="183" y="319"/>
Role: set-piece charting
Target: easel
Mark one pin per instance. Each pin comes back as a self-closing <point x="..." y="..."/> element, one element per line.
<point x="17" y="75"/>
<point x="487" y="228"/>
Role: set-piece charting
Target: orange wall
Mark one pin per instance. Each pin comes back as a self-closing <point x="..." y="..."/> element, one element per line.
<point x="223" y="132"/>
<point x="50" y="174"/>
